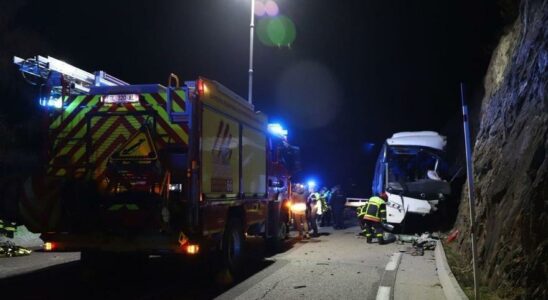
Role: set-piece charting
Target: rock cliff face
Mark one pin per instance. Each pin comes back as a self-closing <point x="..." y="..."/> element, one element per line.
<point x="510" y="163"/>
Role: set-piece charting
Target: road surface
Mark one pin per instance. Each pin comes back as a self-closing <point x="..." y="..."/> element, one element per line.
<point x="335" y="265"/>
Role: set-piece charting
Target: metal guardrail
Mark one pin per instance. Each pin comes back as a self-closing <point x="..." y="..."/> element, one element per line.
<point x="355" y="202"/>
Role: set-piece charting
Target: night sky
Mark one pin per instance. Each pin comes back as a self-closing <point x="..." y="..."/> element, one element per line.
<point x="357" y="71"/>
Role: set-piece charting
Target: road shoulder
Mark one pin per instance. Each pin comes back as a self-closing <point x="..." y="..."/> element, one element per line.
<point x="417" y="278"/>
<point x="13" y="266"/>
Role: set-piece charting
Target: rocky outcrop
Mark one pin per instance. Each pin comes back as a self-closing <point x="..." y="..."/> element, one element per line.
<point x="510" y="163"/>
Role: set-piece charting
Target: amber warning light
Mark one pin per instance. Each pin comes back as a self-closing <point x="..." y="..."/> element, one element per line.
<point x="49" y="246"/>
<point x="298" y="208"/>
<point x="192" y="249"/>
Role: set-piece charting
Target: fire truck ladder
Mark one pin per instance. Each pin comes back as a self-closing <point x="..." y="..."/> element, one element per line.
<point x="58" y="79"/>
<point x="49" y="68"/>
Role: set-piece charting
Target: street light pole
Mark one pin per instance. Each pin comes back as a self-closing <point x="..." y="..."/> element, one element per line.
<point x="251" y="28"/>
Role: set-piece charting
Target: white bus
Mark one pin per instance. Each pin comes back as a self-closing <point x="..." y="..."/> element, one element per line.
<point x="408" y="171"/>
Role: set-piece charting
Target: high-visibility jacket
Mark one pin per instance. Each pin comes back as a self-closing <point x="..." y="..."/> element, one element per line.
<point x="299" y="204"/>
<point x="373" y="210"/>
<point x="323" y="199"/>
<point x="314" y="197"/>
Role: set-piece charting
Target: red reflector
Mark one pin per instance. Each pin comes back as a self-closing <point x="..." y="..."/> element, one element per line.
<point x="200" y="86"/>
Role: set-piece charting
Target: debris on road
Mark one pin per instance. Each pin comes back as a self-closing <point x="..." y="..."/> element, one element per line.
<point x="420" y="243"/>
<point x="9" y="249"/>
<point x="452" y="236"/>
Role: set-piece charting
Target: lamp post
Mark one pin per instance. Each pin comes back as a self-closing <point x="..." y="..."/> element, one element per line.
<point x="251" y="28"/>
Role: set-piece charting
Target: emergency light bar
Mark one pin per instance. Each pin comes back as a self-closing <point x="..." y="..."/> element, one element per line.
<point x="53" y="102"/>
<point x="277" y="129"/>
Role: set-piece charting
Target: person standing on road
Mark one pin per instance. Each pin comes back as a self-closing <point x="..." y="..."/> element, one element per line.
<point x="326" y="211"/>
<point x="298" y="209"/>
<point x="373" y="214"/>
<point x="314" y="206"/>
<point x="338" y="200"/>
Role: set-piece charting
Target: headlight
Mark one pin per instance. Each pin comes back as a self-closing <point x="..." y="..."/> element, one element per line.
<point x="177" y="187"/>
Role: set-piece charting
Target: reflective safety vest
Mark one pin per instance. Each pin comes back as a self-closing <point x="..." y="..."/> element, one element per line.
<point x="323" y="198"/>
<point x="314" y="197"/>
<point x="373" y="210"/>
<point x="298" y="205"/>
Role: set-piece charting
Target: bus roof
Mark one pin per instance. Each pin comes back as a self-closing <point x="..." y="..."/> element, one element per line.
<point x="429" y="139"/>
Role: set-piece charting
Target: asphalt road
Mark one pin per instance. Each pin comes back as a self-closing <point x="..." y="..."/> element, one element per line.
<point x="63" y="276"/>
<point x="335" y="265"/>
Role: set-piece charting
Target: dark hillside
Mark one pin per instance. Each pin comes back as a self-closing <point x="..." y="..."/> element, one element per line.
<point x="510" y="163"/>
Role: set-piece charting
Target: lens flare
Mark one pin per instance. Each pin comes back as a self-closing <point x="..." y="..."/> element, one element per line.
<point x="260" y="9"/>
<point x="271" y="8"/>
<point x="276" y="31"/>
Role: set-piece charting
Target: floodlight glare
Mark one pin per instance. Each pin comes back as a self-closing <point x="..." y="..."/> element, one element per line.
<point x="277" y="129"/>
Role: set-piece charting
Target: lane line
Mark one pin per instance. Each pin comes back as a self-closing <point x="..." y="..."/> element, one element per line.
<point x="383" y="293"/>
<point x="393" y="263"/>
<point x="388" y="279"/>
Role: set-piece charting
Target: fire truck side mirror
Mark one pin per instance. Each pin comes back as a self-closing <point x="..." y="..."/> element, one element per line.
<point x="292" y="158"/>
<point x="275" y="183"/>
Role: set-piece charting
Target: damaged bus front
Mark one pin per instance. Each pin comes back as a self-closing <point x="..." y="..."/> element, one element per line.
<point x="410" y="169"/>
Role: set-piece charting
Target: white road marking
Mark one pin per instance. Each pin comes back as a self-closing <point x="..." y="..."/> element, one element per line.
<point x="393" y="263"/>
<point x="383" y="293"/>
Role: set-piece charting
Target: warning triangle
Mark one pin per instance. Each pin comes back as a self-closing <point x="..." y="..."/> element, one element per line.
<point x="138" y="147"/>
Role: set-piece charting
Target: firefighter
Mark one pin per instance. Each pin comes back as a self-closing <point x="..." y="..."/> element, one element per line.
<point x="325" y="196"/>
<point x="372" y="214"/>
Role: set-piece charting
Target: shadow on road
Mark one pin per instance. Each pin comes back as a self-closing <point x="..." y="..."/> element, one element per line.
<point x="156" y="278"/>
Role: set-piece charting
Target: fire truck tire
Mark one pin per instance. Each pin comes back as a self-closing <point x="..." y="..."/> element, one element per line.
<point x="275" y="243"/>
<point x="234" y="247"/>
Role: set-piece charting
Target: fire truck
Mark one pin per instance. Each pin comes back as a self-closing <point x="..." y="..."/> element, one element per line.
<point x="186" y="168"/>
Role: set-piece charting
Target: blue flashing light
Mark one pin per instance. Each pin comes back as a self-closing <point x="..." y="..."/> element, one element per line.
<point x="277" y="129"/>
<point x="52" y="102"/>
<point x="311" y="183"/>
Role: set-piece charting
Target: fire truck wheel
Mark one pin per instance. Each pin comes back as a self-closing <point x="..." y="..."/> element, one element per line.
<point x="283" y="232"/>
<point x="275" y="243"/>
<point x="233" y="247"/>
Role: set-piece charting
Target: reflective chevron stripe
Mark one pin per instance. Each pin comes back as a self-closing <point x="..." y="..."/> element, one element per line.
<point x="69" y="130"/>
